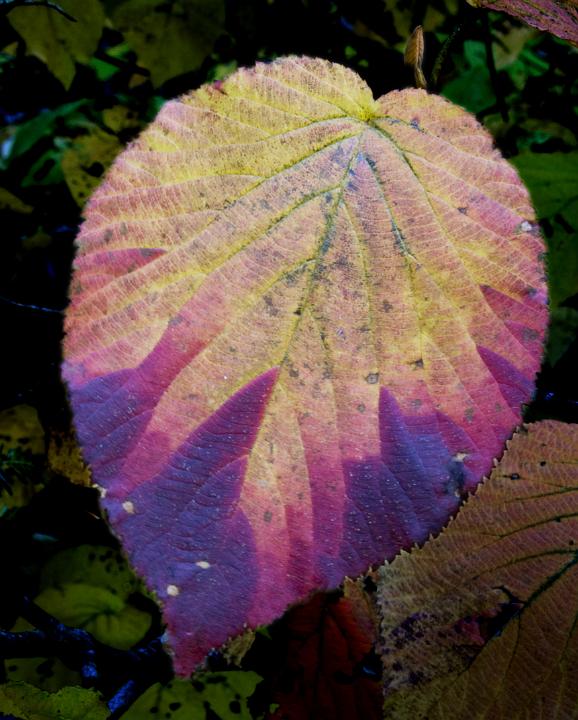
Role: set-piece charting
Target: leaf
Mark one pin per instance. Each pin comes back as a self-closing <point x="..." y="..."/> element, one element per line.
<point x="224" y="694"/>
<point x="170" y="38"/>
<point x="481" y="622"/>
<point x="27" y="134"/>
<point x="90" y="587"/>
<point x="84" y="162"/>
<point x="65" y="459"/>
<point x="322" y="676"/>
<point x="559" y="17"/>
<point x="562" y="333"/>
<point x="413" y="56"/>
<point x="20" y="428"/>
<point x="551" y="179"/>
<point x="57" y="41"/>
<point x="472" y="88"/>
<point x="9" y="201"/>
<point x="302" y="324"/>
<point x="70" y="703"/>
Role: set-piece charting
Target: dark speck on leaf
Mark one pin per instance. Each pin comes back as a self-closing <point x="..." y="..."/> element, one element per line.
<point x="372" y="378"/>
<point x="514" y="476"/>
<point x="415" y="678"/>
<point x="235" y="707"/>
<point x="463" y="210"/>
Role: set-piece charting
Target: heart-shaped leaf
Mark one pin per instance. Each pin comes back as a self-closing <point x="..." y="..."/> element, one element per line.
<point x="481" y="622"/>
<point x="302" y="324"/>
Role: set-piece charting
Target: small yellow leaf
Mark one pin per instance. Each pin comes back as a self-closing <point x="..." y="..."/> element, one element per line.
<point x="64" y="459"/>
<point x="84" y="162"/>
<point x="9" y="201"/>
<point x="20" y="429"/>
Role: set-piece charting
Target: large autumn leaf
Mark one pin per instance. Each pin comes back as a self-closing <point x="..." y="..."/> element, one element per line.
<point x="302" y="324"/>
<point x="481" y="622"/>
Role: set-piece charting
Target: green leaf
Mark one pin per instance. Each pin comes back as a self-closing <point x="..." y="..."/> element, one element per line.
<point x="70" y="703"/>
<point x="102" y="613"/>
<point x="552" y="181"/>
<point x="90" y="587"/>
<point x="225" y="694"/>
<point x="57" y="41"/>
<point x="170" y="38"/>
<point x="563" y="331"/>
<point x="29" y="133"/>
<point x="472" y="88"/>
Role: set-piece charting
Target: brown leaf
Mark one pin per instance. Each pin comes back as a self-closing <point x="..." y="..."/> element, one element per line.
<point x="481" y="622"/>
<point x="413" y="56"/>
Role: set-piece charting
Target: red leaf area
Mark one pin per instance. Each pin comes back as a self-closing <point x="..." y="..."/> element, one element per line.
<point x="302" y="324"/>
<point x="323" y="678"/>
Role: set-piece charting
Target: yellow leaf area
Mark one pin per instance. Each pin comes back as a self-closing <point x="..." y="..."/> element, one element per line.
<point x="21" y="438"/>
<point x="481" y="622"/>
<point x="84" y="162"/>
<point x="58" y="41"/>
<point x="346" y="293"/>
<point x="65" y="459"/>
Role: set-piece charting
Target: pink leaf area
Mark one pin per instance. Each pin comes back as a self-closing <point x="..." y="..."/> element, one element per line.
<point x="559" y="17"/>
<point x="302" y="325"/>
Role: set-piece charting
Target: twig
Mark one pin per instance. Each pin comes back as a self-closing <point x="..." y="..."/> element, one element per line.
<point x="99" y="665"/>
<point x="443" y="53"/>
<point x="500" y="102"/>
<point x="27" y="306"/>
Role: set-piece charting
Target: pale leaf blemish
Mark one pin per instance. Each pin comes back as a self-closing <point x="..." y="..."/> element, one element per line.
<point x="203" y="564"/>
<point x="128" y="507"/>
<point x="173" y="590"/>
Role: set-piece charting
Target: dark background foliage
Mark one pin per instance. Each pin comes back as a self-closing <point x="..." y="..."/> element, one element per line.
<point x="66" y="108"/>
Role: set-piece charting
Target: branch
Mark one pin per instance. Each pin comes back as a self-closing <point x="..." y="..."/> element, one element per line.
<point x="99" y="665"/>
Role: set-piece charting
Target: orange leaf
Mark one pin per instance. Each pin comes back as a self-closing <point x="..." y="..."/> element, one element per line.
<point x="413" y="56"/>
